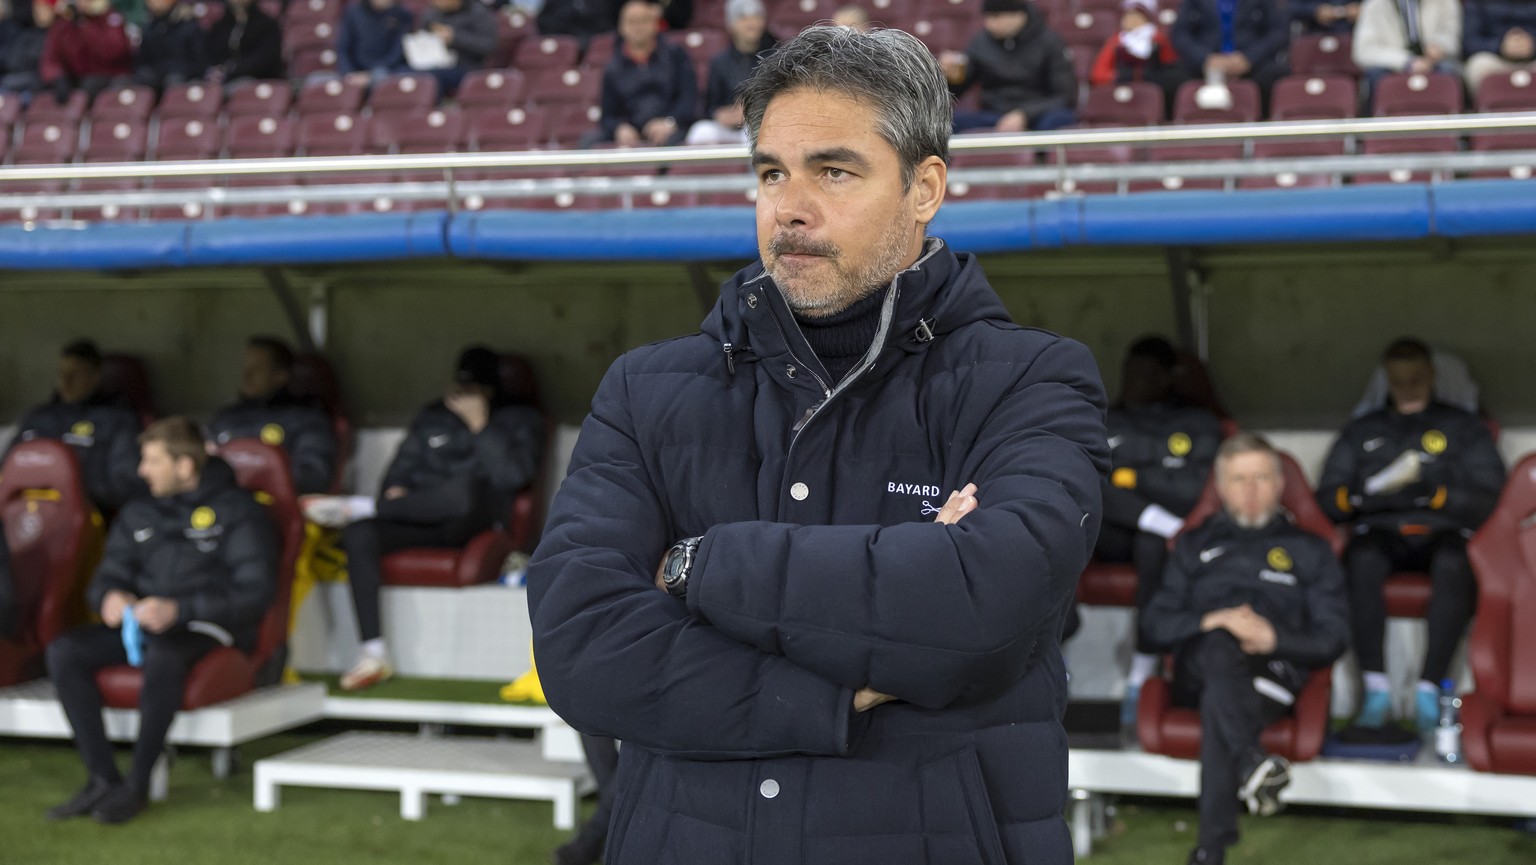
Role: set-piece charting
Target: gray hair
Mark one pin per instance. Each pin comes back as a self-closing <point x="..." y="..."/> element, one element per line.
<point x="887" y="69"/>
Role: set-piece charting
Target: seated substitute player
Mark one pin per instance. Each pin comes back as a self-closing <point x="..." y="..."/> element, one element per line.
<point x="1250" y="603"/>
<point x="1412" y="481"/>
<point x="193" y="566"/>
<point x="268" y="411"/>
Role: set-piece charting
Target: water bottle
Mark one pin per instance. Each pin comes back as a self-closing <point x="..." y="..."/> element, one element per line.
<point x="1448" y="730"/>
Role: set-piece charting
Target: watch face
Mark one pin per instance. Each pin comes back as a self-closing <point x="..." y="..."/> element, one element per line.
<point x="674" y="569"/>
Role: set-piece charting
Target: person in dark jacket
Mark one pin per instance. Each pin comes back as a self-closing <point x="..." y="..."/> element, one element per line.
<point x="1412" y="482"/>
<point x="172" y="50"/>
<point x="649" y="87"/>
<point x="193" y="567"/>
<point x="1251" y="603"/>
<point x="723" y="122"/>
<point x="1023" y="68"/>
<point x="1141" y="51"/>
<point x="268" y="411"/>
<point x="23" y="34"/>
<point x="1497" y="36"/>
<point x="1222" y="39"/>
<point x="468" y="29"/>
<point x="869" y="494"/>
<point x="463" y="460"/>
<point x="245" y="43"/>
<point x="100" y="429"/>
<point x="1162" y="454"/>
<point x="88" y="48"/>
<point x="8" y="625"/>
<point x="1324" y="16"/>
<point x="369" y="44"/>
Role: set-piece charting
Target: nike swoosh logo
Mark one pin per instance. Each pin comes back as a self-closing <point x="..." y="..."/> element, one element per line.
<point x="437" y="441"/>
<point x="143" y="535"/>
<point x="1114" y="441"/>
<point x="1207" y="555"/>
<point x="1373" y="444"/>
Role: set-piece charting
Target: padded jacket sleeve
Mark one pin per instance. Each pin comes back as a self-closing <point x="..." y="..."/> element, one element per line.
<point x="1178" y="489"/>
<point x="311" y="448"/>
<point x="619" y="657"/>
<point x="1170" y="617"/>
<point x="119" y="565"/>
<point x="1472" y="482"/>
<point x="929" y="613"/>
<point x="1062" y="77"/>
<point x="510" y="447"/>
<point x="250" y="557"/>
<point x="409" y="458"/>
<point x="123" y="481"/>
<point x="1327" y="632"/>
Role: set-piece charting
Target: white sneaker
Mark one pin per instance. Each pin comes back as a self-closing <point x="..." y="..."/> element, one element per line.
<point x="335" y="512"/>
<point x="367" y="672"/>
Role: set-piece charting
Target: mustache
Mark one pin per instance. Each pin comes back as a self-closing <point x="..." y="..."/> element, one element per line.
<point x="794" y="244"/>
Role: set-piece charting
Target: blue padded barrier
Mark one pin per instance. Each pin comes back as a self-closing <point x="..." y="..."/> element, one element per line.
<point x="318" y="239"/>
<point x="682" y="234"/>
<point x="1472" y="208"/>
<point x="95" y="247"/>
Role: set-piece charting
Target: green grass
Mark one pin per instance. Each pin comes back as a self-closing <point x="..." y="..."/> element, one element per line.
<point x="212" y="821"/>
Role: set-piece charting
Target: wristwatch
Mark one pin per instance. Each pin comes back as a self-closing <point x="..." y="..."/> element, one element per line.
<point x="679" y="564"/>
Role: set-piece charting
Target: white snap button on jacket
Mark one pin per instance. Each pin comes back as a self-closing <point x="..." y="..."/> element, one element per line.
<point x="799" y="492"/>
<point x="769" y="788"/>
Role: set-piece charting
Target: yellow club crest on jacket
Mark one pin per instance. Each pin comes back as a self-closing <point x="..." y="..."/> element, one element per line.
<point x="272" y="434"/>
<point x="203" y="517"/>
<point x="1179" y="444"/>
<point x="84" y="429"/>
<point x="1279" y="559"/>
<point x="1434" y="442"/>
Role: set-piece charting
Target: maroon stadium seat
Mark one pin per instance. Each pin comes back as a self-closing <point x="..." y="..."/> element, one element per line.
<point x="1402" y="94"/>
<point x="551" y="87"/>
<point x="116" y="141"/>
<point x="1137" y="103"/>
<point x="513" y="27"/>
<point x="889" y="13"/>
<point x="718" y="199"/>
<point x="46" y="141"/>
<point x="225" y="672"/>
<point x="10" y="109"/>
<point x="1324" y="54"/>
<point x="404" y="93"/>
<point x="260" y="99"/>
<point x="1506" y="141"/>
<point x="302" y="33"/>
<point x="1164" y="728"/>
<point x="125" y="377"/>
<point x="547" y="52"/>
<point x="333" y="95"/>
<point x="505" y="129"/>
<point x="702" y="45"/>
<point x="1314" y="97"/>
<point x="314" y="10"/>
<point x="259" y="137"/>
<point x="1499" y="717"/>
<point x="440" y="130"/>
<point x="941" y="34"/>
<point x="339" y="134"/>
<point x="967" y="191"/>
<point x="1289" y="150"/>
<point x="492" y="88"/>
<point x="599" y="51"/>
<point x="1507" y="91"/>
<point x="1089" y="29"/>
<point x="1245" y="104"/>
<point x="313" y="377"/>
<point x="124" y="103"/>
<point x="187" y="138"/>
<point x="55" y="540"/>
<point x="197" y="99"/>
<point x="568" y="123"/>
<point x="46" y="109"/>
<point x="480" y="560"/>
<point x="308" y="61"/>
<point x="792" y="16"/>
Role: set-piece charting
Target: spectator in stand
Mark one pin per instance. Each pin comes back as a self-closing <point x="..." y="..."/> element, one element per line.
<point x="1023" y="68"/>
<point x="100" y="429"/>
<point x="1426" y="39"/>
<point x="1412" y="481"/>
<point x="463" y="460"/>
<point x="193" y="568"/>
<point x="23" y="33"/>
<point x="369" y="45"/>
<point x="1498" y="36"/>
<point x="1250" y="605"/>
<point x="1221" y="39"/>
<point x="171" y="51"/>
<point x="580" y="18"/>
<point x="852" y="17"/>
<point x="1161" y="454"/>
<point x="1141" y="51"/>
<point x="466" y="28"/>
<point x="245" y="43"/>
<point x="268" y="411"/>
<point x="1324" y="16"/>
<point x="88" y="48"/>
<point x="750" y="40"/>
<point x="650" y="88"/>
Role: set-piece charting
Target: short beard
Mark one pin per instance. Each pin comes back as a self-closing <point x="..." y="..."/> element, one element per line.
<point x="1246" y="523"/>
<point x="847" y="288"/>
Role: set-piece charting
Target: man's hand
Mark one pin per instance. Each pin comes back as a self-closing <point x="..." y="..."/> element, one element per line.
<point x="156" y="615"/>
<point x="730" y="116"/>
<point x="1238" y="65"/>
<point x="1421" y="66"/>
<point x="1352" y="11"/>
<point x="443" y="32"/>
<point x="1434" y="54"/>
<point x="1326" y="15"/>
<point x="659" y="129"/>
<point x="112" y="607"/>
<point x="472" y="408"/>
<point x="1014" y="121"/>
<point x="1253" y="632"/>
<point x="1517" y="45"/>
<point x="626" y="135"/>
<point x="395" y="492"/>
<point x="960" y="503"/>
<point x="868" y="698"/>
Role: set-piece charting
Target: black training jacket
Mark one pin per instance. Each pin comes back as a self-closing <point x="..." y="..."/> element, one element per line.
<point x="439" y="447"/>
<point x="299" y="426"/>
<point x="1166" y="452"/>
<point x="105" y="436"/>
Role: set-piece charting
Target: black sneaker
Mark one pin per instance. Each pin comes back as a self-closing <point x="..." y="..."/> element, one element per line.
<point x="82" y="802"/>
<point x="1208" y="856"/>
<point x="1261" y="789"/>
<point x="119" y="806"/>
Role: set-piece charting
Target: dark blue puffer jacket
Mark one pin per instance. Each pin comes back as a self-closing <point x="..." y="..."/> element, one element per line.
<point x="821" y="571"/>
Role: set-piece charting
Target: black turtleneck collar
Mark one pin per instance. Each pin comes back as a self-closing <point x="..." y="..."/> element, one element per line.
<point x="842" y="338"/>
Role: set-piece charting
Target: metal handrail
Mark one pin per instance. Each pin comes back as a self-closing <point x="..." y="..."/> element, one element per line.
<point x="450" y="162"/>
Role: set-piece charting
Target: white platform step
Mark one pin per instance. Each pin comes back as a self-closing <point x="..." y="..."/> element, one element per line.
<point x="417" y="766"/>
<point x="558" y="741"/>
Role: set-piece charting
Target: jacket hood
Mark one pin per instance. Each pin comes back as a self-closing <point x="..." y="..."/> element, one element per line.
<point x="216" y="477"/>
<point x="937" y="295"/>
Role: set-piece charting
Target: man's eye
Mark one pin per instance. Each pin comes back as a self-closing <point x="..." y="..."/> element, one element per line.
<point x="772" y="175"/>
<point x="836" y="173"/>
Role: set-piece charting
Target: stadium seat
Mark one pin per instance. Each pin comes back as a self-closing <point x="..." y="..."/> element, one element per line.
<point x="702" y="46"/>
<point x="45" y="142"/>
<point x="1314" y="97"/>
<point x="10" y="109"/>
<point x="1324" y="54"/>
<point x="792" y="16"/>
<point x="1416" y="144"/>
<point x="1293" y="149"/>
<point x="314" y="10"/>
<point x="1403" y="94"/>
<point x="941" y="34"/>
<point x="551" y="87"/>
<point x="125" y="377"/>
<point x="340" y="134"/>
<point x="1089" y="29"/>
<point x="55" y="540"/>
<point x="258" y="137"/>
<point x="124" y="103"/>
<point x="481" y="559"/>
<point x="513" y="27"/>
<point x="965" y="13"/>
<point x="547" y="52"/>
<point x="743" y="198"/>
<point x="46" y="109"/>
<point x="505" y="129"/>
<point x="710" y="13"/>
<point x="967" y="191"/>
<point x="226" y="672"/>
<point x="404" y="93"/>
<point x="1137" y="103"/>
<point x="187" y="138"/>
<point x="333" y="95"/>
<point x="259" y="99"/>
<point x="438" y="131"/>
<point x="492" y="88"/>
<point x="599" y="51"/>
<point x="1246" y="104"/>
<point x="1499" y="717"/>
<point x="312" y="376"/>
<point x="302" y="33"/>
<point x="309" y="61"/>
<point x="1506" y="141"/>
<point x="121" y="140"/>
<point x="1507" y="91"/>
<point x="889" y="13"/>
<point x="1164" y="728"/>
<point x="568" y="123"/>
<point x="196" y="100"/>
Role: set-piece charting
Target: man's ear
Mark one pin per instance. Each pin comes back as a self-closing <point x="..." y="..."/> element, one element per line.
<point x="928" y="186"/>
